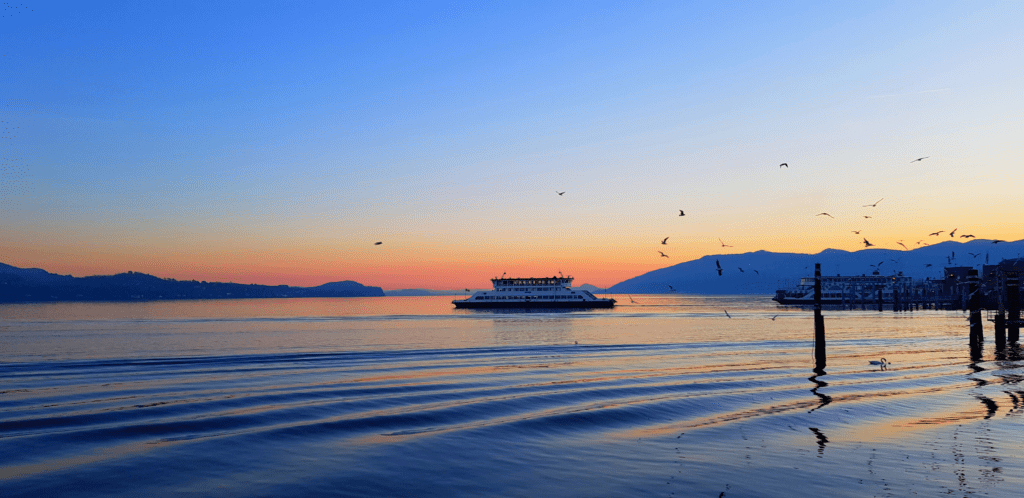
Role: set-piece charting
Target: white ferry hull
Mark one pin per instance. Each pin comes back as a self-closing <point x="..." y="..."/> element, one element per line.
<point x="603" y="303"/>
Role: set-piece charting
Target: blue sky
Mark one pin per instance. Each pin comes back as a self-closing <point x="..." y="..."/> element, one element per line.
<point x="254" y="133"/>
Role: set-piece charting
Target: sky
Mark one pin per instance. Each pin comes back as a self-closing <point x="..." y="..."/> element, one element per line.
<point x="276" y="142"/>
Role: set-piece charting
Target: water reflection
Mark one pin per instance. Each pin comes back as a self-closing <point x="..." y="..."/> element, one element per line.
<point x="822" y="440"/>
<point x="818" y="384"/>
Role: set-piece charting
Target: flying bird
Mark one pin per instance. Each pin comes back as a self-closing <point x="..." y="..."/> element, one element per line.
<point x="968" y="236"/>
<point x="631" y="300"/>
<point x="757" y="272"/>
<point x="559" y="193"/>
<point x="920" y="159"/>
<point x="936" y="233"/>
<point x="974" y="255"/>
<point x="741" y="269"/>
<point x="664" y="241"/>
<point x="724" y="244"/>
<point x="856" y="231"/>
<point x="727" y="313"/>
<point x="774" y="317"/>
<point x="784" y="164"/>
<point x="377" y="243"/>
<point x="904" y="247"/>
<point x="997" y="241"/>
<point x="867" y="244"/>
<point x="927" y="265"/>
<point x="826" y="214"/>
<point x="673" y="289"/>
<point x="953" y="232"/>
<point x="719" y="268"/>
<point x="681" y="213"/>
<point x="662" y="254"/>
<point x="875" y="204"/>
<point x="867" y="216"/>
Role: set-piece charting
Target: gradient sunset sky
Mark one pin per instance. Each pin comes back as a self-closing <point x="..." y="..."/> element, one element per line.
<point x="274" y="143"/>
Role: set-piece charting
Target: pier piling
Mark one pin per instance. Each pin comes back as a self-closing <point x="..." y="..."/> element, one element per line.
<point x="1013" y="306"/>
<point x="819" y="322"/>
<point x="974" y="305"/>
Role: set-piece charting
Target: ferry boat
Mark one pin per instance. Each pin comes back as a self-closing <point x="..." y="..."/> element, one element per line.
<point x="844" y="290"/>
<point x="553" y="292"/>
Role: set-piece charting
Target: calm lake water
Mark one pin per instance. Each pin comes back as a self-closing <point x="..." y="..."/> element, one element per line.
<point x="405" y="396"/>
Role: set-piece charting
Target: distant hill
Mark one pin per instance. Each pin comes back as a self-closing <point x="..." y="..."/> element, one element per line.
<point x="765" y="272"/>
<point x="32" y="284"/>
<point x="424" y="292"/>
<point x="591" y="288"/>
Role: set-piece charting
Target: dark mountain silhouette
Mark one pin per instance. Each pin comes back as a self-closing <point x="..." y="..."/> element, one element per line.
<point x="33" y="284"/>
<point x="783" y="270"/>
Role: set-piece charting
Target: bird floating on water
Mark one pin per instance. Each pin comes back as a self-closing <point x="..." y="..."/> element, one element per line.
<point x="875" y="204"/>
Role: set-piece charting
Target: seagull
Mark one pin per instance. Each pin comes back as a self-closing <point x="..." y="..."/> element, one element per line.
<point x="997" y="241"/>
<point x="784" y="164"/>
<point x="559" y="193"/>
<point x="856" y="231"/>
<point x="867" y="244"/>
<point x="724" y="244"/>
<point x="681" y="213"/>
<point x="741" y="269"/>
<point x="927" y="265"/>
<point x="826" y="214"/>
<point x="664" y="241"/>
<point x="673" y="289"/>
<point x="951" y="233"/>
<point x="719" y="268"/>
<point x="662" y="254"/>
<point x="377" y="243"/>
<point x="920" y="159"/>
<point x="904" y="247"/>
<point x="631" y="300"/>
<point x="727" y="313"/>
<point x="757" y="272"/>
<point x="774" y="317"/>
<point x="974" y="255"/>
<point x="867" y="216"/>
<point x="936" y="233"/>
<point x="968" y="236"/>
<point x="875" y="204"/>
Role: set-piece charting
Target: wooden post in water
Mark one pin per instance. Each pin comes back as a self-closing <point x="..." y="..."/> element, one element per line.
<point x="1000" y="320"/>
<point x="1013" y="305"/>
<point x="974" y="305"/>
<point x="880" y="303"/>
<point x="819" y="322"/>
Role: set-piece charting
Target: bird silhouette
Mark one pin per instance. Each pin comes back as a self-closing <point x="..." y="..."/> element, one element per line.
<point x="867" y="216"/>
<point x="727" y="313"/>
<point x="784" y="164"/>
<point x="875" y="204"/>
<point x="920" y="159"/>
<point x="662" y="254"/>
<point x="774" y="317"/>
<point x="559" y="193"/>
<point x="826" y="214"/>
<point x="951" y="233"/>
<point x="867" y="244"/>
<point x="968" y="236"/>
<point x="664" y="241"/>
<point x="997" y="241"/>
<point x="974" y="255"/>
<point x="936" y="233"/>
<point x="757" y="272"/>
<point x="681" y="213"/>
<point x="377" y="243"/>
<point x="673" y="289"/>
<point x="723" y="243"/>
<point x="719" y="268"/>
<point x="631" y="300"/>
<point x="928" y="265"/>
<point x="741" y="269"/>
<point x="856" y="231"/>
<point x="904" y="247"/>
